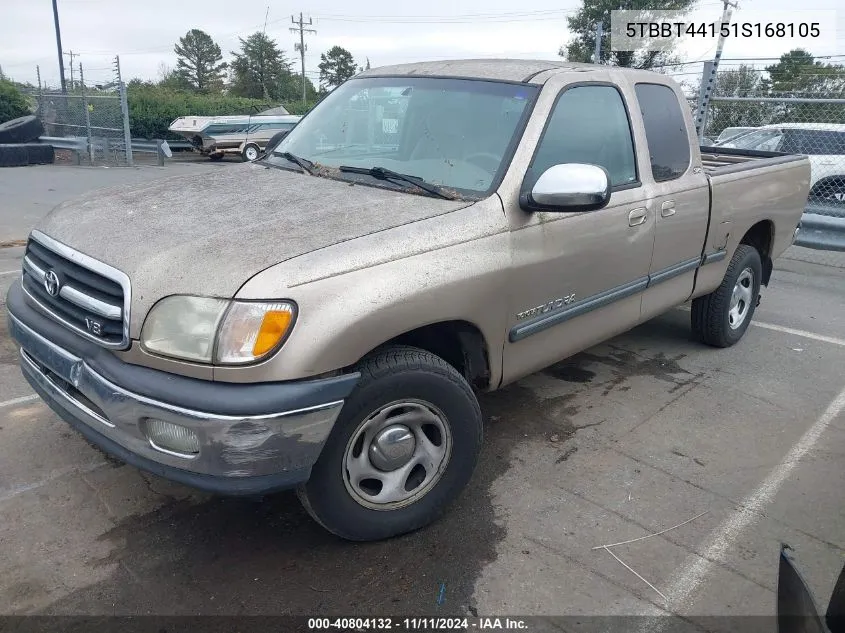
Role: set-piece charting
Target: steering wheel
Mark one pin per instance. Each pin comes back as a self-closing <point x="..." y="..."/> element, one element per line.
<point x="485" y="157"/>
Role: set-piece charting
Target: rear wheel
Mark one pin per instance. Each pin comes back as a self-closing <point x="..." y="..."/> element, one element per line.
<point x="251" y="152"/>
<point x="721" y="318"/>
<point x="404" y="446"/>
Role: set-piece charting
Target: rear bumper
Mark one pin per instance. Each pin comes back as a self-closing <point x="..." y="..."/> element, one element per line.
<point x="241" y="451"/>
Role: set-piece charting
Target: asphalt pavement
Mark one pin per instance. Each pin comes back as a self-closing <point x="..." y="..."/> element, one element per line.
<point x="728" y="453"/>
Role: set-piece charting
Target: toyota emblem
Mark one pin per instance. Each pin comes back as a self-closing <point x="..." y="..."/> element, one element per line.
<point x="51" y="283"/>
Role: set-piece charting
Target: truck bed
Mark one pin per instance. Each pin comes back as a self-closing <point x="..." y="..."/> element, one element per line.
<point x="725" y="160"/>
<point x="748" y="187"/>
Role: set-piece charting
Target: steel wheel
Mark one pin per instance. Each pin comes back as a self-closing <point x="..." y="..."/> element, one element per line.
<point x="741" y="298"/>
<point x="397" y="454"/>
<point x="251" y="152"/>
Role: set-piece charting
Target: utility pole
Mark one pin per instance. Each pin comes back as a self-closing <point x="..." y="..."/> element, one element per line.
<point x="71" y="54"/>
<point x="300" y="46"/>
<point x="124" y="109"/>
<point x="708" y="75"/>
<point x="599" y="33"/>
<point x="59" y="46"/>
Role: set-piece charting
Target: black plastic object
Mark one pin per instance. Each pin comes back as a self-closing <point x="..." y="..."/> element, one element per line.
<point x="21" y="130"/>
<point x="797" y="609"/>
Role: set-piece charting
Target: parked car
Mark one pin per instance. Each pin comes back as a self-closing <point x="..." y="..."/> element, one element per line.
<point x="246" y="135"/>
<point x="824" y="143"/>
<point x="327" y="322"/>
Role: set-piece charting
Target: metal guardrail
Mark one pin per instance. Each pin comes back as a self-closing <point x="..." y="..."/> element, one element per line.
<point x="822" y="228"/>
<point x="79" y="146"/>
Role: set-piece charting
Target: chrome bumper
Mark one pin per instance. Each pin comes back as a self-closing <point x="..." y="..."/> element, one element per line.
<point x="278" y="447"/>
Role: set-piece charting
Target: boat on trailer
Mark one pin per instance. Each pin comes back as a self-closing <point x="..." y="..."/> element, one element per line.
<point x="245" y="135"/>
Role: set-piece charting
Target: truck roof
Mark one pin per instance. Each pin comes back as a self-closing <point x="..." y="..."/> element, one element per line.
<point x="521" y="70"/>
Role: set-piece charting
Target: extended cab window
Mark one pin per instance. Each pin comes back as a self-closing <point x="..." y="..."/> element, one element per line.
<point x="589" y="124"/>
<point x="665" y="131"/>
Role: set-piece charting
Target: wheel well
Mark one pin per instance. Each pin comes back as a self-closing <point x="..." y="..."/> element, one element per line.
<point x="459" y="343"/>
<point x="761" y="236"/>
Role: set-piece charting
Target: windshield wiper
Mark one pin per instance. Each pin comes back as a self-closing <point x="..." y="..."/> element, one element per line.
<point x="386" y="174"/>
<point x="304" y="163"/>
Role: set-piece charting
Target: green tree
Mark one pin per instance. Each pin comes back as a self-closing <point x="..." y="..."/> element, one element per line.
<point x="582" y="24"/>
<point x="199" y="62"/>
<point x="12" y="102"/>
<point x="294" y="90"/>
<point x="261" y="71"/>
<point x="169" y="78"/>
<point x="336" y="66"/>
<point x="798" y="74"/>
<point x="743" y="81"/>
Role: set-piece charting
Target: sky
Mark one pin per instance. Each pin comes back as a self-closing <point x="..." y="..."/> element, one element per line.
<point x="143" y="33"/>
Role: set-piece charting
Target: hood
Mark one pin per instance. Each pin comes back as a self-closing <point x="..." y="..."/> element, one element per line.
<point x="209" y="233"/>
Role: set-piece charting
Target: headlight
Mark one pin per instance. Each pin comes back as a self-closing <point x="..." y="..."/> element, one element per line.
<point x="204" y="329"/>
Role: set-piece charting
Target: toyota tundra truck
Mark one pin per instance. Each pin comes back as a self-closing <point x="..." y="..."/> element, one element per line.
<point x="428" y="232"/>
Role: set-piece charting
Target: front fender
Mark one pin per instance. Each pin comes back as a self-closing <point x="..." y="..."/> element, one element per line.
<point x="343" y="317"/>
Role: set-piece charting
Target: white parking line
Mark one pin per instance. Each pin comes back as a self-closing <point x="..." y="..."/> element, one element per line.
<point x="804" y="333"/>
<point x="789" y="330"/>
<point x="685" y="584"/>
<point x="10" y="272"/>
<point x="15" y="401"/>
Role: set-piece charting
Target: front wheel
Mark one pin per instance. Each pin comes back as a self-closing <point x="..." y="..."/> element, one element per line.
<point x="404" y="446"/>
<point x="721" y="318"/>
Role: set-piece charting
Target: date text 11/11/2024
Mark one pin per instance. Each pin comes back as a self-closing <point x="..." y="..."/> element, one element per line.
<point x="417" y="624"/>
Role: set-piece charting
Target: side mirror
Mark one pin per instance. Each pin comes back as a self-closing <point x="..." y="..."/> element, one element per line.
<point x="569" y="187"/>
<point x="275" y="140"/>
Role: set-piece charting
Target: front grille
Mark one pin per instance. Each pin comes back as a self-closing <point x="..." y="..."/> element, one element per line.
<point x="80" y="292"/>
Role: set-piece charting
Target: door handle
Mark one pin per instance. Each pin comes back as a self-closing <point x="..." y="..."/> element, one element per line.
<point x="637" y="217"/>
<point x="667" y="208"/>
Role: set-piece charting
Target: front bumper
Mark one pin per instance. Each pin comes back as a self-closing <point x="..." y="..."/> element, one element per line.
<point x="244" y="449"/>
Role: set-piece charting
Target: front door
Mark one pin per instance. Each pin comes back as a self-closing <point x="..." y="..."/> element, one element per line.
<point x="578" y="278"/>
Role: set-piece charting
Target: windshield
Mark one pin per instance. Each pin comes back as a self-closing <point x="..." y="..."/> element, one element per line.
<point x="763" y="140"/>
<point x="453" y="133"/>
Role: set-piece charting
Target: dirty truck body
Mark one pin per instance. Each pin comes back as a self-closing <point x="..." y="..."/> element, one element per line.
<point x="325" y="327"/>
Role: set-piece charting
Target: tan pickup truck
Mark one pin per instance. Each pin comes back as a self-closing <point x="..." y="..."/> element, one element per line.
<point x="427" y="232"/>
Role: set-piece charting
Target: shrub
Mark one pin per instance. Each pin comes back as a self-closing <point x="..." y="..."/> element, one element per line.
<point x="12" y="103"/>
<point x="153" y="108"/>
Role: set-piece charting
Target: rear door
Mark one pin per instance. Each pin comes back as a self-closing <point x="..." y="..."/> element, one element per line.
<point x="680" y="197"/>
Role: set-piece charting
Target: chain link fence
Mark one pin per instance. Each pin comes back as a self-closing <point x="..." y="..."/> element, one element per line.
<point x="96" y="115"/>
<point x="756" y="109"/>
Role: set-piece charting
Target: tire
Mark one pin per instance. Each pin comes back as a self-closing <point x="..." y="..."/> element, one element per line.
<point x="714" y="320"/>
<point x="21" y="130"/>
<point x="251" y="152"/>
<point x="41" y="154"/>
<point x="14" y="155"/>
<point x="415" y="385"/>
<point x="829" y="191"/>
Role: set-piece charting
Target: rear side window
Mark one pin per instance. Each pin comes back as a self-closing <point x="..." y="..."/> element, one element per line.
<point x="589" y="124"/>
<point x="665" y="130"/>
<point x="813" y="142"/>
